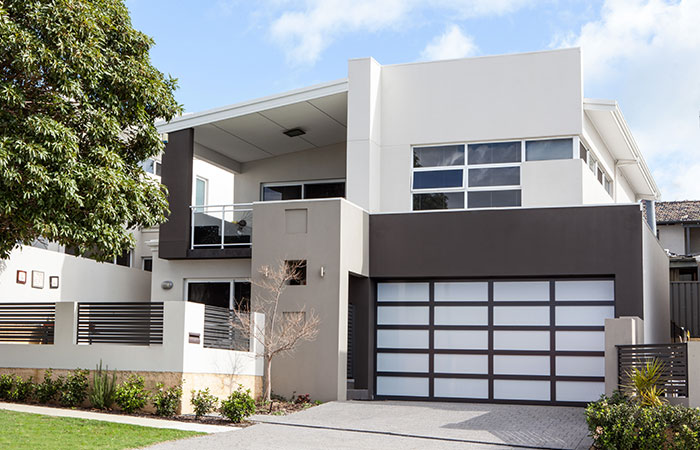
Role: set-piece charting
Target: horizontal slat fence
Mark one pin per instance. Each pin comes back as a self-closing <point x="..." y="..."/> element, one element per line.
<point x="220" y="332"/>
<point x="30" y="323"/>
<point x="120" y="323"/>
<point x="674" y="357"/>
<point x="685" y="305"/>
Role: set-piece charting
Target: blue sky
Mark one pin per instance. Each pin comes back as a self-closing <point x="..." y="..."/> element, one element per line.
<point x="643" y="53"/>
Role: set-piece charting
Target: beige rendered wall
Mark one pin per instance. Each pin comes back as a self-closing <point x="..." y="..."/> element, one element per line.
<point x="339" y="246"/>
<point x="316" y="164"/>
<point x="80" y="279"/>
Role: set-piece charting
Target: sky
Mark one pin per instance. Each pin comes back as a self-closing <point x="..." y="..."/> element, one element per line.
<point x="643" y="53"/>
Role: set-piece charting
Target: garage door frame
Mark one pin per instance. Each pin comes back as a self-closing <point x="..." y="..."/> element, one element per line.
<point x="552" y="328"/>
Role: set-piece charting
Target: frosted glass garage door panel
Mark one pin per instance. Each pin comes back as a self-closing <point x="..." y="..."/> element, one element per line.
<point x="402" y="292"/>
<point x="402" y="362"/>
<point x="472" y="364"/>
<point x="403" y="315"/>
<point x="591" y="290"/>
<point x="581" y="366"/>
<point x="461" y="388"/>
<point x="583" y="315"/>
<point x="403" y="386"/>
<point x="526" y="291"/>
<point x="402" y="338"/>
<point x="461" y="292"/>
<point x="579" y="391"/>
<point x="461" y="315"/>
<point x="585" y="341"/>
<point x="521" y="340"/>
<point x="521" y="315"/>
<point x="461" y="340"/>
<point x="521" y="390"/>
<point x="520" y="365"/>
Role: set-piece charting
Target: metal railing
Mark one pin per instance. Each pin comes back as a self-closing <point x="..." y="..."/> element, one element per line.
<point x="221" y="331"/>
<point x="120" y="323"/>
<point x="685" y="306"/>
<point x="674" y="360"/>
<point x="27" y="323"/>
<point x="221" y="226"/>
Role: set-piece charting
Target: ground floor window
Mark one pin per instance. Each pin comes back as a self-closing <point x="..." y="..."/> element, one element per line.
<point x="221" y="293"/>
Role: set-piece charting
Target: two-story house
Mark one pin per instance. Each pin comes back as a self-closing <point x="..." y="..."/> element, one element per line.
<point x="466" y="227"/>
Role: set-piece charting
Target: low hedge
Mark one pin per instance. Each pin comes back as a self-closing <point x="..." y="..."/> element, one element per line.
<point x="618" y="424"/>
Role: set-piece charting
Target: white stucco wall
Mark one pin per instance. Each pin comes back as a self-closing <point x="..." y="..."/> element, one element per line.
<point x="657" y="310"/>
<point x="80" y="279"/>
<point x="316" y="164"/>
<point x="539" y="177"/>
<point x="672" y="238"/>
<point x="219" y="182"/>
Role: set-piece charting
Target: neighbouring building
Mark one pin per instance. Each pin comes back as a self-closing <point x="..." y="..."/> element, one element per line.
<point x="678" y="225"/>
<point x="466" y="227"/>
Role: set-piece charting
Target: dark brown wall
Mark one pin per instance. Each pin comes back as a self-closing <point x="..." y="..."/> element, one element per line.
<point x="542" y="242"/>
<point x="174" y="239"/>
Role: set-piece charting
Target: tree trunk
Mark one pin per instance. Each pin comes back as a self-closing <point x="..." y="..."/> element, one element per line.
<point x="267" y="390"/>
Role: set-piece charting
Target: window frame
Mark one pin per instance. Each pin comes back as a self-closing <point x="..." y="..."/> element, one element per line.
<point x="206" y="190"/>
<point x="143" y="263"/>
<point x="232" y="283"/>
<point x="299" y="183"/>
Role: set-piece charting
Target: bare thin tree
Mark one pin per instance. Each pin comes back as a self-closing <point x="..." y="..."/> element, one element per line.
<point x="283" y="331"/>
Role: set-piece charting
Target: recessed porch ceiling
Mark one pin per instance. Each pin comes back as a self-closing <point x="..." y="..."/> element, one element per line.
<point x="255" y="130"/>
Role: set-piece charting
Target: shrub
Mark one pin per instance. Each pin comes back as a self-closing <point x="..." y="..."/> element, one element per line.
<point x="131" y="395"/>
<point x="75" y="388"/>
<point x="645" y="384"/>
<point x="47" y="390"/>
<point x="103" y="386"/>
<point x="22" y="390"/>
<point x="203" y="402"/>
<point x="6" y="382"/>
<point x="306" y="398"/>
<point x="627" y="425"/>
<point x="167" y="400"/>
<point x="238" y="405"/>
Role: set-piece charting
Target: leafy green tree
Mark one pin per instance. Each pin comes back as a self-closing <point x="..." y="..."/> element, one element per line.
<point x="79" y="98"/>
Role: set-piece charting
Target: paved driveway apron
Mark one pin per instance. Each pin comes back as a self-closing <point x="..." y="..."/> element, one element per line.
<point x="407" y="425"/>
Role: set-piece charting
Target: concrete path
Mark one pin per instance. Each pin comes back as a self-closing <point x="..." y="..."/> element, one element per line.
<point x="131" y="420"/>
<point x="407" y="425"/>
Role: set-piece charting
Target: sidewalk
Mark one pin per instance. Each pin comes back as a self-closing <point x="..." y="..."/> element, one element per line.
<point x="116" y="418"/>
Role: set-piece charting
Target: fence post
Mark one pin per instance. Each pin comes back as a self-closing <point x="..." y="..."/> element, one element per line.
<point x="621" y="331"/>
<point x="693" y="374"/>
<point x="65" y="328"/>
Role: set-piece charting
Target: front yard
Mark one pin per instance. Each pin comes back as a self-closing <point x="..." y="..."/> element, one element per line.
<point x="21" y="431"/>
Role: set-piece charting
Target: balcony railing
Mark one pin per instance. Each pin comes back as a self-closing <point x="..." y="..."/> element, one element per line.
<point x="222" y="226"/>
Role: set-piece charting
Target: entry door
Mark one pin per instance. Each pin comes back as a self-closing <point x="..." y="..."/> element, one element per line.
<point x="530" y="341"/>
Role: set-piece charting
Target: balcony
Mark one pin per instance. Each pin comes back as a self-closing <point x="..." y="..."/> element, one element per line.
<point x="218" y="227"/>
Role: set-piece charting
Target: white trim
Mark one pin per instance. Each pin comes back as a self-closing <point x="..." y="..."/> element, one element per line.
<point x="253" y="106"/>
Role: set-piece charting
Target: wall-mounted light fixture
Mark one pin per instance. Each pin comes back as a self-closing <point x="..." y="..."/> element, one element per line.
<point x="323" y="271"/>
<point x="166" y="285"/>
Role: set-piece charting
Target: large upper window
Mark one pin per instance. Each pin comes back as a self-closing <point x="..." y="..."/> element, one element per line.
<point x="302" y="190"/>
<point x="549" y="149"/>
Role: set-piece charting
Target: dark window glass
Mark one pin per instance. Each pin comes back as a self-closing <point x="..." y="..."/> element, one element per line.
<point x="324" y="190"/>
<point x="445" y="155"/>
<point x="212" y="294"/>
<point x="583" y="153"/>
<point x="446" y="200"/>
<point x="600" y="176"/>
<point x="437" y="179"/>
<point x="148" y="264"/>
<point x="124" y="259"/>
<point x="498" y="152"/>
<point x="548" y="149"/>
<point x="272" y="193"/>
<point x="298" y="268"/>
<point x="158" y="168"/>
<point x="493" y="199"/>
<point x="241" y="295"/>
<point x="497" y="176"/>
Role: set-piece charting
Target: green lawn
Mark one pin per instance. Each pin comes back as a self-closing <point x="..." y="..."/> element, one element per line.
<point x="35" y="431"/>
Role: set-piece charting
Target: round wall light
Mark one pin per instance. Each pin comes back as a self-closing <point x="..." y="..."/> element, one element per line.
<point x="166" y="285"/>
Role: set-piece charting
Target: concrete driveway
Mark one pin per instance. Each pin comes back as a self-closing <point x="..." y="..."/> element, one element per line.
<point x="406" y="425"/>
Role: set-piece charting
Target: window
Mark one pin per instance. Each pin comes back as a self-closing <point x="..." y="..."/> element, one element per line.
<point x="500" y="152"/>
<point x="151" y="166"/>
<point x="445" y="155"/>
<point x="296" y="267"/>
<point x="437" y="179"/>
<point x="438" y="200"/>
<point x="496" y="176"/>
<point x="549" y="149"/>
<point x="583" y="152"/>
<point x="124" y="259"/>
<point x="493" y="199"/>
<point x="608" y="185"/>
<point x="147" y="264"/>
<point x="220" y="293"/>
<point x="200" y="197"/>
<point x="302" y="190"/>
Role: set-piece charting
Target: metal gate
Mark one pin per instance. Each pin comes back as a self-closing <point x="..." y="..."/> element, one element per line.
<point x="515" y="341"/>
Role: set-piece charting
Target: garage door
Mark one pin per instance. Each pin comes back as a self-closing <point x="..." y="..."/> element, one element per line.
<point x="538" y="341"/>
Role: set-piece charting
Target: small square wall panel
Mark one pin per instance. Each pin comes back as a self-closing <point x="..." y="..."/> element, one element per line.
<point x="295" y="220"/>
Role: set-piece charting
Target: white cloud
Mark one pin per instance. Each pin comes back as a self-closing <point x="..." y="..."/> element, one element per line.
<point x="306" y="32"/>
<point x="453" y="43"/>
<point x="646" y="54"/>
